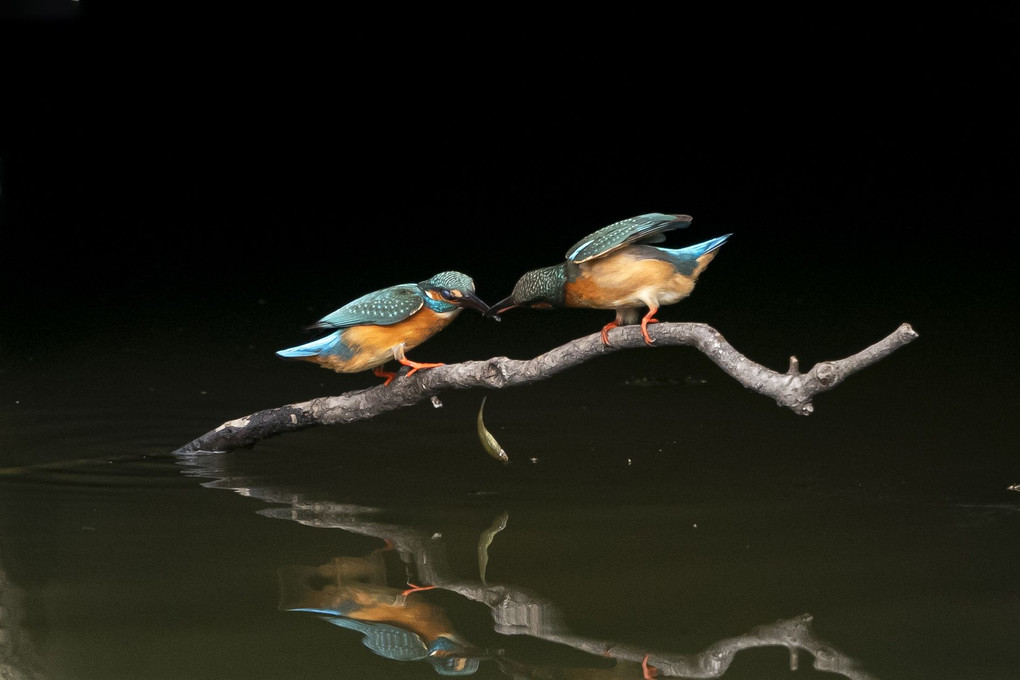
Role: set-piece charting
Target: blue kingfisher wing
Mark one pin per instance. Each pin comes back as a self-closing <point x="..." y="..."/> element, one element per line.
<point x="646" y="228"/>
<point x="380" y="308"/>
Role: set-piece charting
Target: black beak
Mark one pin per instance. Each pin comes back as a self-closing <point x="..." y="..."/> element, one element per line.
<point x="500" y="307"/>
<point x="472" y="301"/>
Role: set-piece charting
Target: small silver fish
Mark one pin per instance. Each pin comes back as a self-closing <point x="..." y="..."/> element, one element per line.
<point x="489" y="442"/>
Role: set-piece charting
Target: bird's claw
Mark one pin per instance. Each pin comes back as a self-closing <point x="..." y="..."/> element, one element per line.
<point x="648" y="671"/>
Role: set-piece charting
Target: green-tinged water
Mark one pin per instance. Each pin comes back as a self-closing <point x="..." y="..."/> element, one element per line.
<point x="650" y="507"/>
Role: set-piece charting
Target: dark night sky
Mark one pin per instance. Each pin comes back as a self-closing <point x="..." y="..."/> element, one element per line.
<point x="868" y="180"/>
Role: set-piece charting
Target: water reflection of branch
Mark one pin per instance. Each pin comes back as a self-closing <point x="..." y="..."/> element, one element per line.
<point x="795" y="634"/>
<point x="793" y="389"/>
<point x="516" y="611"/>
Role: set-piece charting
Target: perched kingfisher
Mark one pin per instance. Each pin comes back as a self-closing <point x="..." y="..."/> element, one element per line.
<point x="380" y="326"/>
<point x="614" y="268"/>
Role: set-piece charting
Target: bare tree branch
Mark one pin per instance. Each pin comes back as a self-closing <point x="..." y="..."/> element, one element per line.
<point x="793" y="389"/>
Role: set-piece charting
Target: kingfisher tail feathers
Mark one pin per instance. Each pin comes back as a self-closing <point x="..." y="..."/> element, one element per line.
<point x="311" y="349"/>
<point x="699" y="249"/>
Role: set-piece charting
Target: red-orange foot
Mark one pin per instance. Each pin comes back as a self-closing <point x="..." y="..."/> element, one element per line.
<point x="415" y="589"/>
<point x="648" y="671"/>
<point x="415" y="366"/>
<point x="647" y="319"/>
<point x="605" y="331"/>
<point x="389" y="375"/>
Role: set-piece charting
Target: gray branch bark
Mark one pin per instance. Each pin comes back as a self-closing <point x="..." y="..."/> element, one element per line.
<point x="794" y="390"/>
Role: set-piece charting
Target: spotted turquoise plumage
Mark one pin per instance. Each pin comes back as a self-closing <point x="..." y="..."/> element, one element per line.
<point x="381" y="307"/>
<point x="380" y="326"/>
<point x="646" y="228"/>
<point x="396" y="303"/>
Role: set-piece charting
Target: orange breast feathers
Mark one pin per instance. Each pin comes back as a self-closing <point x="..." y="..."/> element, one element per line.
<point x="624" y="280"/>
<point x="413" y="614"/>
<point x="373" y="345"/>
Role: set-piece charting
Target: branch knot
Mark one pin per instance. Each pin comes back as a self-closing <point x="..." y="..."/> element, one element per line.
<point x="827" y="374"/>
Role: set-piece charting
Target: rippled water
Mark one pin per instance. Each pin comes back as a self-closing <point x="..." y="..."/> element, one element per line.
<point x="653" y="511"/>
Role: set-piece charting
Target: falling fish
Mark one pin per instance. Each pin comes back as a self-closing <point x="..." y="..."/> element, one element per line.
<point x="489" y="442"/>
<point x="485" y="540"/>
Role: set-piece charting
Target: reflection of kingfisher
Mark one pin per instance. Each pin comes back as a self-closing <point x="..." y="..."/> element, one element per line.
<point x="614" y="268"/>
<point x="350" y="592"/>
<point x="382" y="325"/>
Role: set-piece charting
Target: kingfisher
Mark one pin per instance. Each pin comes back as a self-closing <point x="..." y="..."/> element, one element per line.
<point x="382" y="325"/>
<point x="352" y="592"/>
<point x="615" y="268"/>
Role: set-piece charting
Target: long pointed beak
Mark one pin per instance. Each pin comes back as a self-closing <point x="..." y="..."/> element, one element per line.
<point x="501" y="306"/>
<point x="472" y="301"/>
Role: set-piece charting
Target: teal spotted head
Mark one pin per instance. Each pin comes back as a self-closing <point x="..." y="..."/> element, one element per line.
<point x="451" y="657"/>
<point x="449" y="291"/>
<point x="538" y="289"/>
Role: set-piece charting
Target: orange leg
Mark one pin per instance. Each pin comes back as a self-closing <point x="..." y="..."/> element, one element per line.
<point x="648" y="671"/>
<point x="605" y="330"/>
<point x="415" y="366"/>
<point x="414" y="589"/>
<point x="647" y="319"/>
<point x="389" y="375"/>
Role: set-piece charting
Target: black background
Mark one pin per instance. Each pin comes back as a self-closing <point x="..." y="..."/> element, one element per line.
<point x="247" y="178"/>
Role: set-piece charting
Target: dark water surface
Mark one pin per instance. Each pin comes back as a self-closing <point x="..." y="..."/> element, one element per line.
<point x="651" y="506"/>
